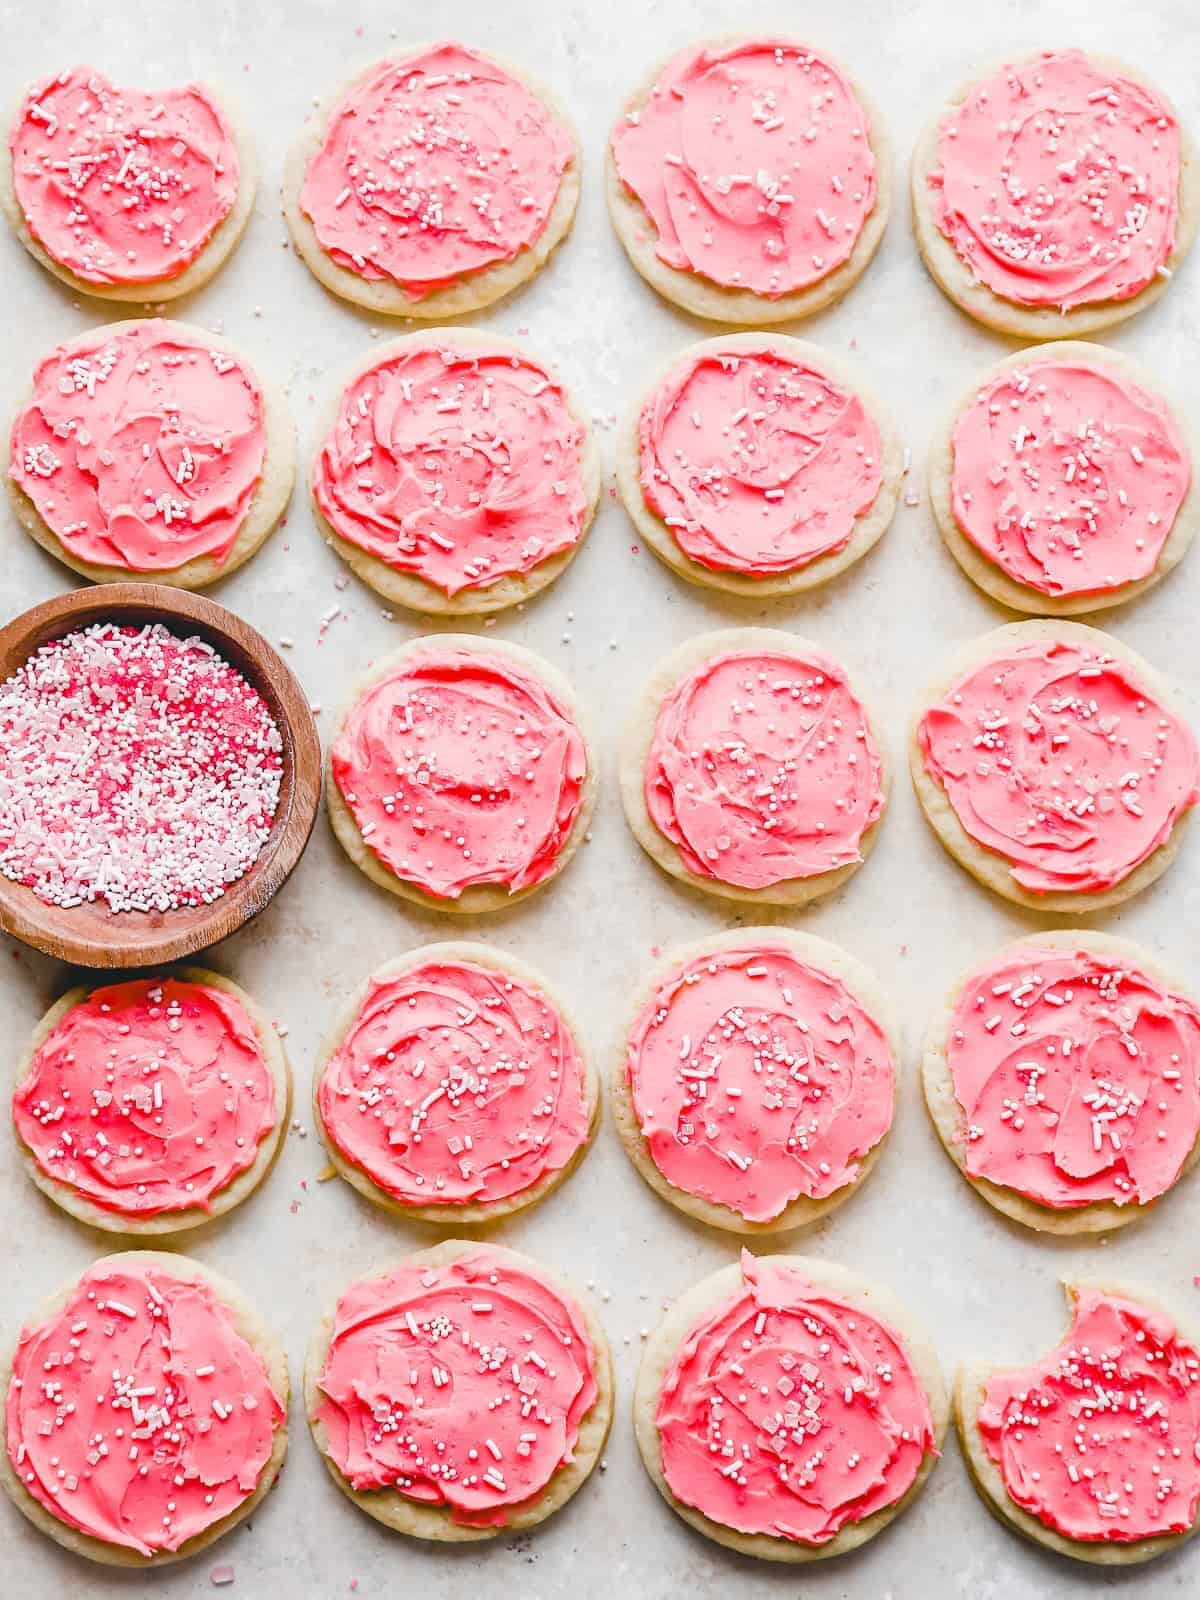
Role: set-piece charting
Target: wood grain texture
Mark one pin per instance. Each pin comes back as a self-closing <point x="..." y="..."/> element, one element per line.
<point x="92" y="935"/>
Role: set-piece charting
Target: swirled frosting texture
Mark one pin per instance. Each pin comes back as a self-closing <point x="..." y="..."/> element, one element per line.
<point x="787" y="1411"/>
<point x="137" y="1413"/>
<point x="434" y="167"/>
<point x="762" y="768"/>
<point x="757" y="1078"/>
<point x="1077" y="1075"/>
<point x="1068" y="476"/>
<point x="456" y="1084"/>
<point x="758" y="463"/>
<point x="142" y="447"/>
<point x="1055" y="756"/>
<point x="1100" y="1439"/>
<point x="1057" y="182"/>
<point x="147" y="1097"/>
<point x="460" y="768"/>
<point x="458" y="465"/>
<point x="753" y="161"/>
<point x="460" y="1386"/>
<point x="121" y="186"/>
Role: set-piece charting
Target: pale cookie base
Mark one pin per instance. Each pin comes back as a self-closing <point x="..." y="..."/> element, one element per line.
<point x="973" y="1376"/>
<point x="990" y="868"/>
<point x="958" y="282"/>
<point x="450" y="1213"/>
<point x="639" y="736"/>
<point x="471" y="291"/>
<point x="987" y="574"/>
<point x="665" y="1342"/>
<point x="248" y="1323"/>
<point x="819" y="953"/>
<point x="703" y="297"/>
<point x="949" y="1121"/>
<point x="406" y="588"/>
<point x="403" y="1515"/>
<point x="166" y="1224"/>
<point x="477" y="896"/>
<point x="198" y="271"/>
<point x="868" y="526"/>
<point x="267" y="506"/>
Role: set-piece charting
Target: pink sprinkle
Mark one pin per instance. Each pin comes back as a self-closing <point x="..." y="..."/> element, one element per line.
<point x="221" y="1575"/>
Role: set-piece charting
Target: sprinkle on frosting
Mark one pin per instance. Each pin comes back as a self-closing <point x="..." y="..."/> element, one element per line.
<point x="142" y="446"/>
<point x="147" y="1097"/>
<point x="1100" y="1439"/>
<point x="762" y="768"/>
<point x="1055" y="756"/>
<point x="753" y="161"/>
<point x="757" y="1078"/>
<point x="460" y="1386"/>
<point x="434" y="167"/>
<point x="462" y="767"/>
<point x="758" y="462"/>
<point x="788" y="1411"/>
<point x="137" y="1413"/>
<point x="455" y="1084"/>
<point x="1068" y="475"/>
<point x="1057" y="182"/>
<point x="136" y="768"/>
<point x="121" y="186"/>
<point x="460" y="465"/>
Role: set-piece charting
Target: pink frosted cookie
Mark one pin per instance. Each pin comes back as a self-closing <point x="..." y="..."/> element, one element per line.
<point x="126" y="193"/>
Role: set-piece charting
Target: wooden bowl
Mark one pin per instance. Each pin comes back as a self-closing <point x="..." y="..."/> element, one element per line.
<point x="91" y="935"/>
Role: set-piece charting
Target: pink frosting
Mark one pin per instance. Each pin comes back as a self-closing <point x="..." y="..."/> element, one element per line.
<point x="1078" y="1077"/>
<point x="462" y="768"/>
<point x="1068" y="476"/>
<point x="757" y="1078"/>
<point x="460" y="466"/>
<point x="147" y="1097"/>
<point x="121" y="186"/>
<point x="788" y="1411"/>
<point x="753" y="162"/>
<point x="1100" y="1439"/>
<point x="137" y="1413"/>
<point x="142" y="446"/>
<point x="456" y="1084"/>
<point x="433" y="167"/>
<point x="758" y="463"/>
<point x="1055" y="756"/>
<point x="762" y="768"/>
<point x="461" y="1386"/>
<point x="1057" y="182"/>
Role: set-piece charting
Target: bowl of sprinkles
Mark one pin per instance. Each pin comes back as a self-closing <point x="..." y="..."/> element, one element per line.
<point x="160" y="774"/>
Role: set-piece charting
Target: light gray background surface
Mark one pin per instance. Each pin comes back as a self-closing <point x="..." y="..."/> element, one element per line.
<point x="984" y="1287"/>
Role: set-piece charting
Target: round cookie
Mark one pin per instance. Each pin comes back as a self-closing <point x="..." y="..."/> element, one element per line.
<point x="969" y="1390"/>
<point x="868" y="525"/>
<point x="692" y="1308"/>
<point x="410" y="590"/>
<point x="477" y="897"/>
<point x="248" y="1325"/>
<point x="639" y="737"/>
<point x="988" y="866"/>
<point x="987" y="574"/>
<point x="268" y="505"/>
<point x="434" y="1522"/>
<point x="948" y="1118"/>
<point x="805" y="948"/>
<point x="702" y="295"/>
<point x="470" y="291"/>
<point x="75" y="1204"/>
<point x="452" y="1213"/>
<point x="960" y="284"/>
<point x="197" y="272"/>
